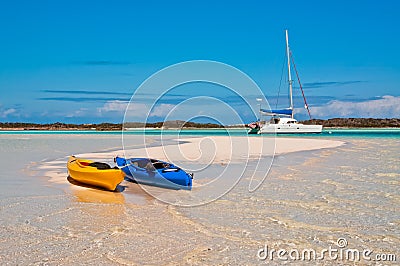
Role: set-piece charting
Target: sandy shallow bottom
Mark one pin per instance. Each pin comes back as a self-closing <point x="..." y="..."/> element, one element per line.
<point x="309" y="200"/>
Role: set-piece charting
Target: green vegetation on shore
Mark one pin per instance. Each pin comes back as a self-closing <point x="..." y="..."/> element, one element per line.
<point x="356" y="122"/>
<point x="334" y="122"/>
<point x="59" y="126"/>
<point x="105" y="126"/>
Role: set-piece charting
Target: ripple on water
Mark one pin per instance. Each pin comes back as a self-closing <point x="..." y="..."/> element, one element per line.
<point x="351" y="190"/>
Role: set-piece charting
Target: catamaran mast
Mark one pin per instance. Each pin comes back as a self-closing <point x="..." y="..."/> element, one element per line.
<point x="290" y="76"/>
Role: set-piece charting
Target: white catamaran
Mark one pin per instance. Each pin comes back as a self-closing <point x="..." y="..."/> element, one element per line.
<point x="282" y="121"/>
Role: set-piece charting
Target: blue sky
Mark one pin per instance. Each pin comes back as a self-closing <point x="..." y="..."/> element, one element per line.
<point x="80" y="61"/>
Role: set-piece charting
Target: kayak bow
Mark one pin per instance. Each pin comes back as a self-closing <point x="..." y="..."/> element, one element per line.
<point x="94" y="173"/>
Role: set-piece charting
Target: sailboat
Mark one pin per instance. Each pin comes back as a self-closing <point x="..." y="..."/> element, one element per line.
<point x="282" y="120"/>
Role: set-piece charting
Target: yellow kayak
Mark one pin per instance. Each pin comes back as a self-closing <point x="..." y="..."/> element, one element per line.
<point x="93" y="173"/>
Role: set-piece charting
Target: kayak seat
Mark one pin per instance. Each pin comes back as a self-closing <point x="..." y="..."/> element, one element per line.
<point x="100" y="166"/>
<point x="159" y="165"/>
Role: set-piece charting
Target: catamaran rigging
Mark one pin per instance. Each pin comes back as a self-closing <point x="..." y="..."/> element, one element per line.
<point x="282" y="120"/>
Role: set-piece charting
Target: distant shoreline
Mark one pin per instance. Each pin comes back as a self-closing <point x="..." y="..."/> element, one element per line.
<point x="339" y="123"/>
<point x="19" y="130"/>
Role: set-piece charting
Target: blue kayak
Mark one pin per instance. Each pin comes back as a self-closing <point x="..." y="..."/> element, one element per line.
<point x="155" y="172"/>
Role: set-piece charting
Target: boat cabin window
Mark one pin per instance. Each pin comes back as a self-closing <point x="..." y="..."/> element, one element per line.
<point x="274" y="120"/>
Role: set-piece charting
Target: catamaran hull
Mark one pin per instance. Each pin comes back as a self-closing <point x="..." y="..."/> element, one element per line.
<point x="290" y="129"/>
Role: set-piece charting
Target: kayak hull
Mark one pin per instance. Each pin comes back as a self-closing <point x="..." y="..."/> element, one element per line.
<point x="79" y="170"/>
<point x="159" y="173"/>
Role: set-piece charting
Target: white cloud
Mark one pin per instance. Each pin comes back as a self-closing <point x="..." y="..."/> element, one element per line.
<point x="138" y="110"/>
<point x="81" y="112"/>
<point x="10" y="111"/>
<point x="385" y="107"/>
<point x="162" y="110"/>
<point x="134" y="112"/>
<point x="113" y="106"/>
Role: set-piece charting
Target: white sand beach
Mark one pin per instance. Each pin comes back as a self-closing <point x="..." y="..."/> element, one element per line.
<point x="222" y="149"/>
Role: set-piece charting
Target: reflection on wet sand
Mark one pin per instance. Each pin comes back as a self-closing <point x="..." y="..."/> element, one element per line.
<point x="128" y="192"/>
<point x="98" y="196"/>
<point x="134" y="194"/>
<point x="87" y="193"/>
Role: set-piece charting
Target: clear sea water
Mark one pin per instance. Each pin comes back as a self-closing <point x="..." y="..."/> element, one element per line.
<point x="326" y="133"/>
<point x="309" y="200"/>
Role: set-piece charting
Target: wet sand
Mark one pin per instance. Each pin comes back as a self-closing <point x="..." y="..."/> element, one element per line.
<point x="309" y="199"/>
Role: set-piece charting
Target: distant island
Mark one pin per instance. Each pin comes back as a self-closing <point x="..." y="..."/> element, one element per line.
<point x="329" y="123"/>
<point x="355" y="122"/>
<point x="108" y="126"/>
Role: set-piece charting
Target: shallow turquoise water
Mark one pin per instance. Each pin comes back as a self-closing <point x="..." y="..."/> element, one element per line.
<point x="327" y="133"/>
<point x="309" y="200"/>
